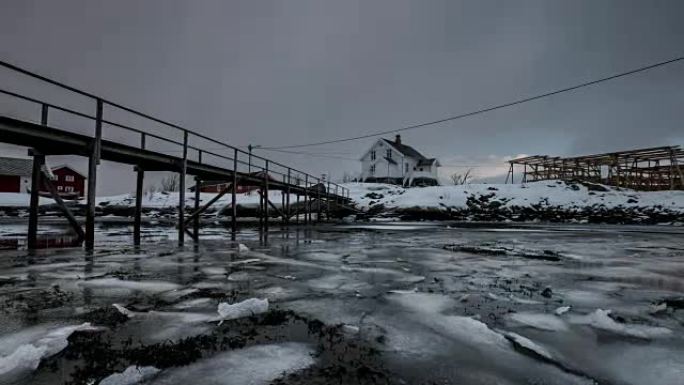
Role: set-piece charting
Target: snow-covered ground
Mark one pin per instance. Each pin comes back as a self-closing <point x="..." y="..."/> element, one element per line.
<point x="21" y="200"/>
<point x="550" y="193"/>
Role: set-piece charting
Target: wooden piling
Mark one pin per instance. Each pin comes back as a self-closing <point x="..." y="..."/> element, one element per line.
<point x="36" y="182"/>
<point x="181" y="191"/>
<point x="266" y="196"/>
<point x="140" y="177"/>
<point x="93" y="162"/>
<point x="233" y="197"/>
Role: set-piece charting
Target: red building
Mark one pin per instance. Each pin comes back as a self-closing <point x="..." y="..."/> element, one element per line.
<point x="70" y="183"/>
<point x="15" y="175"/>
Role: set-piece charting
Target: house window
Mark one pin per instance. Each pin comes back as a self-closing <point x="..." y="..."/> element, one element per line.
<point x="372" y="169"/>
<point x="389" y="153"/>
<point x="373" y="155"/>
<point x="69" y="178"/>
<point x="60" y="188"/>
<point x="69" y="188"/>
<point x="406" y="167"/>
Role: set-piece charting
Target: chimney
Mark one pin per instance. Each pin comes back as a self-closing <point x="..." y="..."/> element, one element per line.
<point x="397" y="139"/>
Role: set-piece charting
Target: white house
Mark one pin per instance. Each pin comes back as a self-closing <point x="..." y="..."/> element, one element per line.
<point x="394" y="162"/>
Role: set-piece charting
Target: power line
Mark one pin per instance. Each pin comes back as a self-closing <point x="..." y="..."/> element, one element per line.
<point x="314" y="155"/>
<point x="485" y="110"/>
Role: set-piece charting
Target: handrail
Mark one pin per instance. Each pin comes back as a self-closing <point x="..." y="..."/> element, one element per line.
<point x="102" y="101"/>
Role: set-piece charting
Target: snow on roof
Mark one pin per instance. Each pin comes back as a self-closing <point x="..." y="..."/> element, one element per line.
<point x="16" y="166"/>
<point x="406" y="150"/>
<point x="70" y="168"/>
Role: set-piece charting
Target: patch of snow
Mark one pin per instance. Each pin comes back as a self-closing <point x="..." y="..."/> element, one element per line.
<point x="528" y="344"/>
<point x="32" y="345"/>
<point x="246" y="308"/>
<point x="115" y="283"/>
<point x="539" y="321"/>
<point x="600" y="319"/>
<point x="254" y="365"/>
<point x="561" y="310"/>
<point x="132" y="375"/>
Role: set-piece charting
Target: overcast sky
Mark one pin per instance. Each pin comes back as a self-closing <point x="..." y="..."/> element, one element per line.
<point x="287" y="72"/>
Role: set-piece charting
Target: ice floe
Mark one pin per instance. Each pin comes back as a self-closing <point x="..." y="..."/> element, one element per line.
<point x="23" y="351"/>
<point x="540" y="321"/>
<point x="116" y="283"/>
<point x="131" y="376"/>
<point x="246" y="308"/>
<point x="254" y="365"/>
<point x="600" y="319"/>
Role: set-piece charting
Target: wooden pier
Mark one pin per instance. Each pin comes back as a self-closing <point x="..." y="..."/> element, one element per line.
<point x="191" y="154"/>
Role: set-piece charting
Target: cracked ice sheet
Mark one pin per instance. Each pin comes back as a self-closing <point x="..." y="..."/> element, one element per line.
<point x="468" y="342"/>
<point x="22" y="352"/>
<point x="254" y="365"/>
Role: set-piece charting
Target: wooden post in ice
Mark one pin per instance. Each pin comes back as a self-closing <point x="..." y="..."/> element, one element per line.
<point x="137" y="221"/>
<point x="233" y="197"/>
<point x="93" y="162"/>
<point x="181" y="191"/>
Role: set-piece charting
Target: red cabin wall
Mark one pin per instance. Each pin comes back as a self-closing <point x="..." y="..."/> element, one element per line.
<point x="10" y="183"/>
<point x="78" y="183"/>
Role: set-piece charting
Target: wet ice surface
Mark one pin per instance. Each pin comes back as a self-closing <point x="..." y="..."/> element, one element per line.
<point x="416" y="303"/>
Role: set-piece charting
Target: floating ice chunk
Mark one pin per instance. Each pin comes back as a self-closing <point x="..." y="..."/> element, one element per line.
<point x="350" y="329"/>
<point x="115" y="283"/>
<point x="123" y="310"/>
<point x="255" y="365"/>
<point x="528" y="344"/>
<point x="411" y="291"/>
<point x="242" y="248"/>
<point x="239" y="276"/>
<point x="561" y="310"/>
<point x="600" y="319"/>
<point x="27" y="356"/>
<point x="132" y="375"/>
<point x="245" y="308"/>
<point x="540" y="321"/>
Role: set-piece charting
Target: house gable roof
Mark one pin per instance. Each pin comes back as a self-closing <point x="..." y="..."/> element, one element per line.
<point x="407" y="151"/>
<point x="61" y="166"/>
<point x="16" y="166"/>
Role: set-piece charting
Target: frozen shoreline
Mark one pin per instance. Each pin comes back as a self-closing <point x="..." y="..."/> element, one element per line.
<point x="550" y="201"/>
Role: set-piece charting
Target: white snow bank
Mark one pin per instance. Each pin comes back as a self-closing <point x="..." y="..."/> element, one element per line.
<point x="22" y="352"/>
<point x="255" y="365"/>
<point x="21" y="200"/>
<point x="162" y="200"/>
<point x="132" y="375"/>
<point x="245" y="308"/>
<point x="600" y="319"/>
<point x="545" y="193"/>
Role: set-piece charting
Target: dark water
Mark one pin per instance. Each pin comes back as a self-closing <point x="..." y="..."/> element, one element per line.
<point x="385" y="303"/>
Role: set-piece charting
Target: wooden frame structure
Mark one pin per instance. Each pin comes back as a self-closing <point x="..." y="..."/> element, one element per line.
<point x="227" y="163"/>
<point x="655" y="168"/>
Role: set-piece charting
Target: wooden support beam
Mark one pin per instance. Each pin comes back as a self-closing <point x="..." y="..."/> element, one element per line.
<point x="196" y="220"/>
<point x="266" y="196"/>
<point x="287" y="196"/>
<point x="297" y="212"/>
<point x="277" y="210"/>
<point x="63" y="207"/>
<point x="36" y="181"/>
<point x="181" y="191"/>
<point x="93" y="162"/>
<point x="307" y="206"/>
<point x="140" y="177"/>
<point x="206" y="206"/>
<point x="137" y="221"/>
<point x="233" y="197"/>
